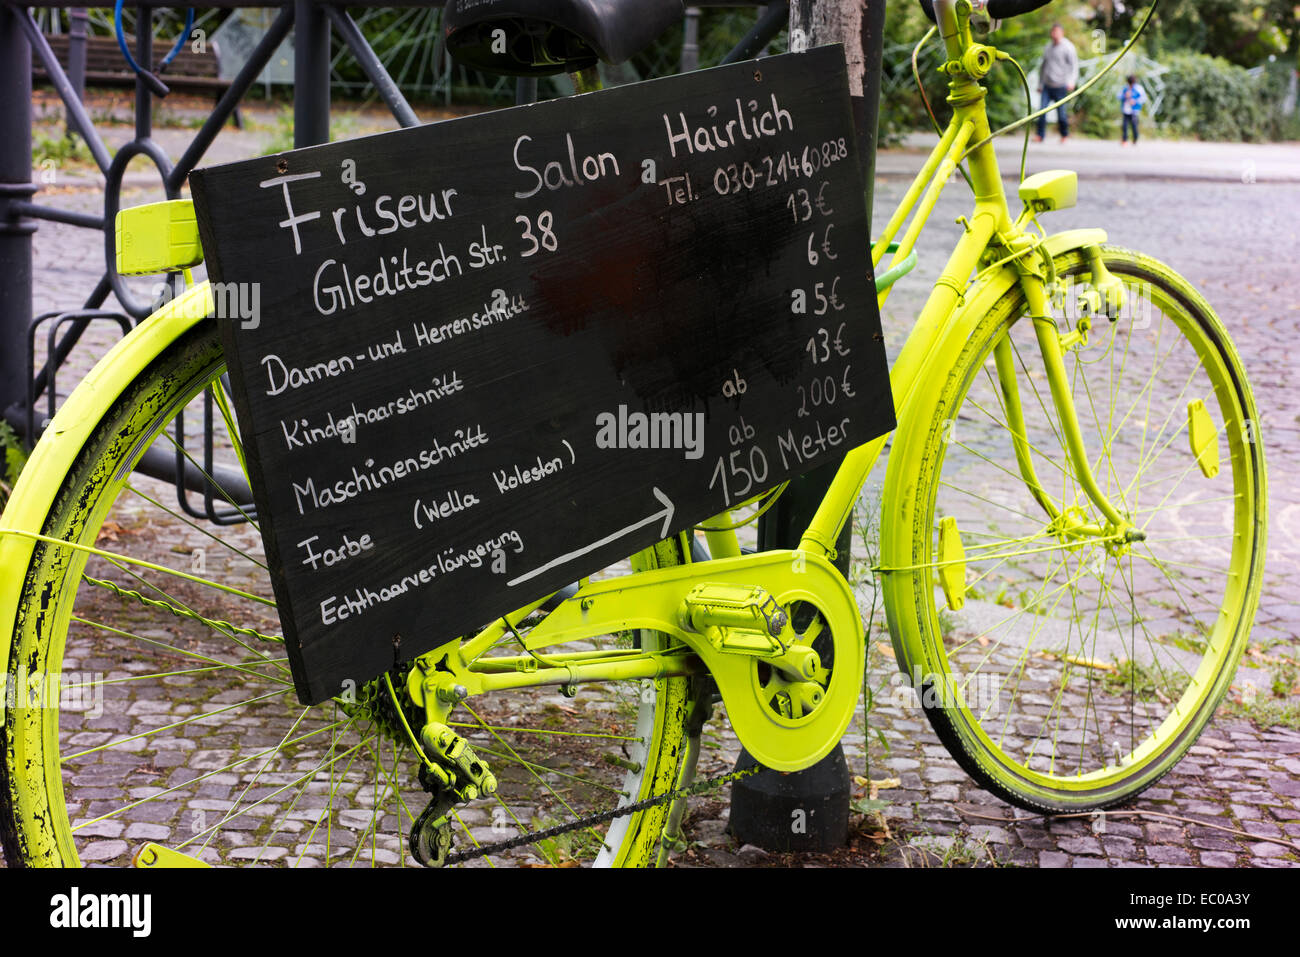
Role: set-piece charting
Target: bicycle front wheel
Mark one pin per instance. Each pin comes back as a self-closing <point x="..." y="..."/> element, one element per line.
<point x="156" y="707"/>
<point x="1068" y="670"/>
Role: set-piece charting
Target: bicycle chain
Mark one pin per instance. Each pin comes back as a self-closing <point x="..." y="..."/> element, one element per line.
<point x="532" y="837"/>
<point x="215" y="623"/>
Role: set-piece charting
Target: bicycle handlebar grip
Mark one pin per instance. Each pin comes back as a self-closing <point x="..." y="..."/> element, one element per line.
<point x="997" y="9"/>
<point x="1006" y="9"/>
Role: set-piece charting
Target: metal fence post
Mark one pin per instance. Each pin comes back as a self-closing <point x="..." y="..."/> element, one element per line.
<point x="77" y="19"/>
<point x="311" y="74"/>
<point x="691" y="40"/>
<point x="15" y="186"/>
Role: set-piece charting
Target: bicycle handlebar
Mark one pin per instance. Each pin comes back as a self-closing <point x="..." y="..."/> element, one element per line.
<point x="998" y="9"/>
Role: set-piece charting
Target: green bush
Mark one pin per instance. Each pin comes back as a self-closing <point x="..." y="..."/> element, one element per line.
<point x="1204" y="97"/>
<point x="1097" y="109"/>
<point x="1211" y="99"/>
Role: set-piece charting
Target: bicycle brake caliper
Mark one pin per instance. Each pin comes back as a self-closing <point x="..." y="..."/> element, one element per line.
<point x="453" y="774"/>
<point x="1109" y="287"/>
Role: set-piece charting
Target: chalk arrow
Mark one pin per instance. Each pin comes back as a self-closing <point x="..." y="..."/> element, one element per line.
<point x="666" y="513"/>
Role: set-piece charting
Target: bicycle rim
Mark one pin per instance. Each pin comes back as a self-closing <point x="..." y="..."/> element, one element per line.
<point x="159" y="708"/>
<point x="1080" y="668"/>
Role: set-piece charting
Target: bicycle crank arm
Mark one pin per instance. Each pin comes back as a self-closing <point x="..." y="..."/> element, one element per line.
<point x="788" y="702"/>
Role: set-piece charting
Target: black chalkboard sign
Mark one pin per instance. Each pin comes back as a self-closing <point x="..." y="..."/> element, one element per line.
<point x="498" y="353"/>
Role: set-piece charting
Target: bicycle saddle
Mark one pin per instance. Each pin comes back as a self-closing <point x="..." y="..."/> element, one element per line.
<point x="544" y="37"/>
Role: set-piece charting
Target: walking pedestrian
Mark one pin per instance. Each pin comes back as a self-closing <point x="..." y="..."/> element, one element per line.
<point x="1057" y="76"/>
<point x="1131" y="99"/>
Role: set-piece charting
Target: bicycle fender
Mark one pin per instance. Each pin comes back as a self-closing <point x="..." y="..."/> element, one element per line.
<point x="39" y="483"/>
<point x="910" y="437"/>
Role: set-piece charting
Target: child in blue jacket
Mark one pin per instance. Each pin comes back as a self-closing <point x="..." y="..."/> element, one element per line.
<point x="1131" y="99"/>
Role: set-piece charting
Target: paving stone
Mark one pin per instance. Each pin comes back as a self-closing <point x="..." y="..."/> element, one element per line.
<point x="1121" y="847"/>
<point x="259" y="853"/>
<point x="1080" y="845"/>
<point x="102" y="850"/>
<point x="1164" y="854"/>
<point x="1213" y="842"/>
<point x="147" y="832"/>
<point x="109" y="828"/>
<point x="1119" y="828"/>
<point x="1261" y="828"/>
<point x="1036" y="838"/>
<point x="994" y="835"/>
<point x="938" y="775"/>
<point x="1218" y="859"/>
<point x="1270" y="850"/>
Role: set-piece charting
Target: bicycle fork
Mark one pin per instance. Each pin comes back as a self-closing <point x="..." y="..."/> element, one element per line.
<point x="1118" y="530"/>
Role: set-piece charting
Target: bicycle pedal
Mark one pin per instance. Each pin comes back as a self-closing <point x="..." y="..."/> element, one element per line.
<point x="736" y="619"/>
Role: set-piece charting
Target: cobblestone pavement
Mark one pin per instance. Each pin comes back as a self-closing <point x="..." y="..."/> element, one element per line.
<point x="1233" y="801"/>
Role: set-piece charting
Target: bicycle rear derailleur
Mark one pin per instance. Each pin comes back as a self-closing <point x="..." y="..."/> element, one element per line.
<point x="450" y="771"/>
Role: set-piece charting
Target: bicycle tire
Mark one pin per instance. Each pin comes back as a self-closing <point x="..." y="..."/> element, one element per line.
<point x="1119" y="656"/>
<point x="76" y="787"/>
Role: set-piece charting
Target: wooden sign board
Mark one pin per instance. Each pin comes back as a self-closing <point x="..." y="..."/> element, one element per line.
<point x="495" y="354"/>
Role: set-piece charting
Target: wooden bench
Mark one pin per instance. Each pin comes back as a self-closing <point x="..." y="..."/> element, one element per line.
<point x="105" y="65"/>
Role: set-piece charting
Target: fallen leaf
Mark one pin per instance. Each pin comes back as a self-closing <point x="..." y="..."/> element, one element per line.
<point x="883" y="784"/>
<point x="1094" y="663"/>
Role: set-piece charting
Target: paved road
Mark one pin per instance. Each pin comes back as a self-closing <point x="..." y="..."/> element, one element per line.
<point x="1225" y="216"/>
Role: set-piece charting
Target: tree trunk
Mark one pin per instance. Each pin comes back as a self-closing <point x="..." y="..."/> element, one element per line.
<point x="817" y="22"/>
<point x="860" y="26"/>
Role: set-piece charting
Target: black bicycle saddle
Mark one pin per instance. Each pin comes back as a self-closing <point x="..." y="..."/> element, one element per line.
<point x="544" y="37"/>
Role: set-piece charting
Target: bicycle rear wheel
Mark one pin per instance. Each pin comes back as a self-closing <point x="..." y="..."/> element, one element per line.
<point x="155" y="707"/>
<point x="1066" y="671"/>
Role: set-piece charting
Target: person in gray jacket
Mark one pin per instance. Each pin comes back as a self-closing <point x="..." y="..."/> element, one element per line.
<point x="1057" y="76"/>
